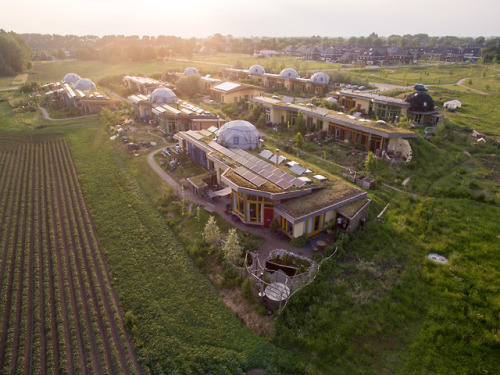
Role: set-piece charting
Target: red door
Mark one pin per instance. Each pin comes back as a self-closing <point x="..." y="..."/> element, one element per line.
<point x="268" y="216"/>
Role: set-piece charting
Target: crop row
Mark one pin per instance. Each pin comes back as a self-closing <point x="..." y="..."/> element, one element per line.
<point x="59" y="312"/>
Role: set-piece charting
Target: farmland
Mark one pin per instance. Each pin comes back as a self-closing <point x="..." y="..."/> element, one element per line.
<point x="59" y="310"/>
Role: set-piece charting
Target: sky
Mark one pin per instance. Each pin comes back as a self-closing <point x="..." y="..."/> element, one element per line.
<point x="202" y="18"/>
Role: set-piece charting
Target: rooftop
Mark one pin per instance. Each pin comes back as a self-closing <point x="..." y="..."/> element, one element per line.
<point x="337" y="192"/>
<point x="376" y="98"/>
<point x="340" y="118"/>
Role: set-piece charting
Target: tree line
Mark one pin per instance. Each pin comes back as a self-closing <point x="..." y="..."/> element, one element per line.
<point x="14" y="54"/>
<point x="115" y="48"/>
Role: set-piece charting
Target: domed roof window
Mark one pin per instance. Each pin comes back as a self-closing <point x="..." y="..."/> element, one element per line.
<point x="321" y="78"/>
<point x="71" y="78"/>
<point x="162" y="95"/>
<point x="191" y="70"/>
<point x="238" y="134"/>
<point x="257" y="70"/>
<point x="85" y="84"/>
<point x="289" y="73"/>
<point x="420" y="102"/>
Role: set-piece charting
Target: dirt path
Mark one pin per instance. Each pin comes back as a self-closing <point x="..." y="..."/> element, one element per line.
<point x="461" y="81"/>
<point x="47" y="117"/>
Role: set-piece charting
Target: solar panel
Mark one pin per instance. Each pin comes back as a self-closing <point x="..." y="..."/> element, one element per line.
<point x="266" y="154"/>
<point x="195" y="135"/>
<point x="274" y="179"/>
<point x="298" y="169"/>
<point x="249" y="176"/>
<point x="284" y="184"/>
<point x="305" y="179"/>
<point x="320" y="177"/>
<point x="298" y="182"/>
<point x="205" y="133"/>
<point x="281" y="159"/>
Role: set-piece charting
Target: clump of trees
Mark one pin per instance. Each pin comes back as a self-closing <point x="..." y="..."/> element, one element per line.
<point x="14" y="54"/>
<point x="188" y="85"/>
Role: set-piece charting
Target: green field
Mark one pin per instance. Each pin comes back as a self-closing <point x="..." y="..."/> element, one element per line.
<point x="428" y="75"/>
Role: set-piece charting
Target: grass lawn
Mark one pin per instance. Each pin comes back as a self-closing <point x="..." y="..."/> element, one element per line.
<point x="6" y="82"/>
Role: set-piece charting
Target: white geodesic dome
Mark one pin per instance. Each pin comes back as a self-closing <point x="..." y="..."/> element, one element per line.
<point x="289" y="73"/>
<point x="321" y="78"/>
<point x="256" y="70"/>
<point x="85" y="84"/>
<point x="191" y="70"/>
<point x="238" y="134"/>
<point x="71" y="78"/>
<point x="162" y="95"/>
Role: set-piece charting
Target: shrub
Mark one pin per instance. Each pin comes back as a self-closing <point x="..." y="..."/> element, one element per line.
<point x="246" y="289"/>
<point x="299" y="241"/>
<point x="211" y="234"/>
<point x="232" y="249"/>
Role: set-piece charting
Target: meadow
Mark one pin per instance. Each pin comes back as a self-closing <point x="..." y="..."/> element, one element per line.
<point x="435" y="74"/>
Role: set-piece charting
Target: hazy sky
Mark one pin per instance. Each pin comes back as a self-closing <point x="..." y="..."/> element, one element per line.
<point x="201" y="18"/>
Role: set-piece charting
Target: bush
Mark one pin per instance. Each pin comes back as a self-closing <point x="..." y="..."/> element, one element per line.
<point x="246" y="289"/>
<point x="273" y="225"/>
<point x="301" y="241"/>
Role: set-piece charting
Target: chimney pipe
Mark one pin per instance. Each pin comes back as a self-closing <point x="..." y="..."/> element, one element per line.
<point x="277" y="156"/>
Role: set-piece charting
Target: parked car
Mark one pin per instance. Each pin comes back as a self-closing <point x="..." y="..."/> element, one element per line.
<point x="419" y="87"/>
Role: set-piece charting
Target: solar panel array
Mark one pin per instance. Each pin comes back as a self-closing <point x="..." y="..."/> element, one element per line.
<point x="266" y="154"/>
<point x="298" y="169"/>
<point x="206" y="133"/>
<point x="258" y="166"/>
<point x="194" y="134"/>
<point x="281" y="159"/>
<point x="249" y="176"/>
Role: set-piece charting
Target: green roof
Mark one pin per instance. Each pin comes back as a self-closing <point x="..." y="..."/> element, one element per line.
<point x="352" y="208"/>
<point x="319" y="199"/>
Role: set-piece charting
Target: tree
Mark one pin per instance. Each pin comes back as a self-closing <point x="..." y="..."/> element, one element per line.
<point x="300" y="123"/>
<point x="14" y="53"/>
<point x="60" y="55"/>
<point x="370" y="162"/>
<point x="188" y="85"/>
<point x="109" y="117"/>
<point x="111" y="52"/>
<point x="211" y="234"/>
<point x="232" y="249"/>
<point x="298" y="140"/>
